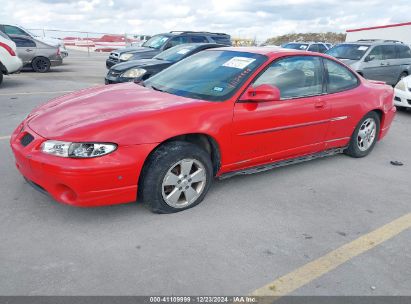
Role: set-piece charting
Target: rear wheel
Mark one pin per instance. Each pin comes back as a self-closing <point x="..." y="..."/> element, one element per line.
<point x="41" y="64"/>
<point x="1" y="76"/>
<point x="176" y="177"/>
<point x="365" y="136"/>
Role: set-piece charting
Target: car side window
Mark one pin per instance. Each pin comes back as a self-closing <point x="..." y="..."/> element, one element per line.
<point x="388" y="52"/>
<point x="322" y="48"/>
<point x="177" y="41"/>
<point x="23" y="42"/>
<point x="376" y="53"/>
<point x="297" y="76"/>
<point x="313" y="48"/>
<point x="339" y="77"/>
<point x="403" y="51"/>
<point x="198" y="39"/>
<point x="12" y="30"/>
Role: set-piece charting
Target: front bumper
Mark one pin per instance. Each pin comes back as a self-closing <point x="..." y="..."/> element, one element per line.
<point x="116" y="79"/>
<point x="402" y="98"/>
<point x="110" y="62"/>
<point x="106" y="180"/>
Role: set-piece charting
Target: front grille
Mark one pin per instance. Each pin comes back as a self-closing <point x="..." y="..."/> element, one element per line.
<point x="409" y="101"/>
<point x="26" y="139"/>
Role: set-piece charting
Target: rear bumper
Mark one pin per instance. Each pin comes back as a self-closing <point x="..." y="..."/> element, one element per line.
<point x="56" y="61"/>
<point x="106" y="180"/>
<point x="13" y="64"/>
<point x="386" y="122"/>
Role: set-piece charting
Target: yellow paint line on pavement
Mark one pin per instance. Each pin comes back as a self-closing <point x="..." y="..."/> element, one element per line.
<point x="4" y="137"/>
<point x="33" y="93"/>
<point x="315" y="269"/>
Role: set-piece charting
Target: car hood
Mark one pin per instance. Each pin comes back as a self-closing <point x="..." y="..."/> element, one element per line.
<point x="102" y="110"/>
<point x="139" y="63"/>
<point x="349" y="61"/>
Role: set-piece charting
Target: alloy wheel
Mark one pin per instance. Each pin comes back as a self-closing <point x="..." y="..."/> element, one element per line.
<point x="183" y="183"/>
<point x="366" y="134"/>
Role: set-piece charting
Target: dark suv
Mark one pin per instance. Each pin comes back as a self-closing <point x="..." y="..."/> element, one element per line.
<point x="162" y="42"/>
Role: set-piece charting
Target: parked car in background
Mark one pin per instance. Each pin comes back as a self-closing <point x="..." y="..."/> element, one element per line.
<point x="9" y="29"/>
<point x="402" y="93"/>
<point x="220" y="112"/>
<point x="142" y="69"/>
<point x="37" y="54"/>
<point x="319" y="47"/>
<point x="384" y="60"/>
<point x="9" y="61"/>
<point x="161" y="42"/>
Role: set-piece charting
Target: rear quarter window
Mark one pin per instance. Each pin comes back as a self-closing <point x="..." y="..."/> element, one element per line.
<point x="339" y="78"/>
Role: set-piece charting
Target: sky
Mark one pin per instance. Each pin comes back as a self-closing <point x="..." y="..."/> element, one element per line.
<point x="253" y="19"/>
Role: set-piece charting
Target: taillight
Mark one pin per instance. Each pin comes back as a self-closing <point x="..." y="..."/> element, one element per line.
<point x="8" y="49"/>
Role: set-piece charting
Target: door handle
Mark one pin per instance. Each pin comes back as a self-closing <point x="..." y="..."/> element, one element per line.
<point x="28" y="50"/>
<point x="382" y="63"/>
<point x="320" y="104"/>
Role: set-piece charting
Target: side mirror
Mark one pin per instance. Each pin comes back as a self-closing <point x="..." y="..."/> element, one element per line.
<point x="368" y="58"/>
<point x="261" y="93"/>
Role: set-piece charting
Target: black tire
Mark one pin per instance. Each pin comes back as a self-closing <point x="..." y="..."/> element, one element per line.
<point x="402" y="75"/>
<point x="1" y="76"/>
<point x="158" y="165"/>
<point x="353" y="149"/>
<point x="41" y="64"/>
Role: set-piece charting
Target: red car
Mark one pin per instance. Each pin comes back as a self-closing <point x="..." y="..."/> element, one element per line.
<point x="218" y="113"/>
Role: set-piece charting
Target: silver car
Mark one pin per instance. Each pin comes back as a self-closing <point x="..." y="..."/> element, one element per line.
<point x="37" y="54"/>
<point x="384" y="60"/>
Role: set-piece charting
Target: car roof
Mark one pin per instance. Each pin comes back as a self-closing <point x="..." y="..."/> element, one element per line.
<point x="373" y="42"/>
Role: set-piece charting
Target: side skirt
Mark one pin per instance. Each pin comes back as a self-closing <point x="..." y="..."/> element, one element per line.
<point x="283" y="163"/>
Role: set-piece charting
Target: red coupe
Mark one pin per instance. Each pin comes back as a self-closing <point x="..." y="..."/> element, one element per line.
<point x="218" y="113"/>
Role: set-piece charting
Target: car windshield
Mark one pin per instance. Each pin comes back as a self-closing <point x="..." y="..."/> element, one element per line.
<point x="156" y="42"/>
<point x="176" y="53"/>
<point x="296" y="46"/>
<point x="348" y="51"/>
<point x="210" y="75"/>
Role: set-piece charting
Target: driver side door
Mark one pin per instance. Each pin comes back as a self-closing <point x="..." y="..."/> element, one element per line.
<point x="297" y="124"/>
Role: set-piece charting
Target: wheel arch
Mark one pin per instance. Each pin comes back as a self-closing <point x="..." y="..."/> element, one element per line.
<point x="204" y="141"/>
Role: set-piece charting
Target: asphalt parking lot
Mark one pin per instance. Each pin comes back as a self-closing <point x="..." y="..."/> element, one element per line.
<point x="248" y="232"/>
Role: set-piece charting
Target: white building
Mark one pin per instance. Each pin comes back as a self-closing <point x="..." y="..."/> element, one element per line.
<point x="399" y="31"/>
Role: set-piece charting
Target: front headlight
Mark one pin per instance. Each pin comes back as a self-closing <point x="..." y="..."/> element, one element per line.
<point x="77" y="150"/>
<point x="125" y="56"/>
<point x="133" y="73"/>
<point x="401" y="85"/>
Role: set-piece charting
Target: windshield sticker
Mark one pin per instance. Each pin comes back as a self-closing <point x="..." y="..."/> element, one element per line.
<point x="303" y="47"/>
<point x="218" y="89"/>
<point x="238" y="62"/>
<point x="183" y="51"/>
<point x="362" y="48"/>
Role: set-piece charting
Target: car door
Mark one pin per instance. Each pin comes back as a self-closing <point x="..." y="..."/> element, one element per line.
<point x="26" y="48"/>
<point x="294" y="125"/>
<point x="342" y="98"/>
<point x="404" y="58"/>
<point x="393" y="66"/>
<point x="377" y="64"/>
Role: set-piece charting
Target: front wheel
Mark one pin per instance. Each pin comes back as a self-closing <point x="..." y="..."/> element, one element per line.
<point x="176" y="177"/>
<point x="1" y="76"/>
<point x="365" y="136"/>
